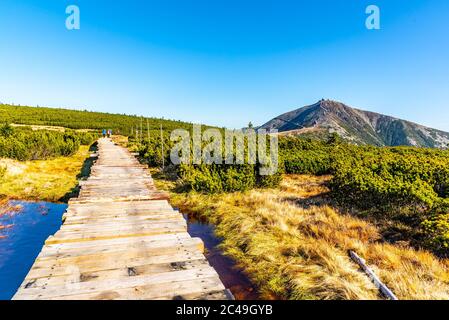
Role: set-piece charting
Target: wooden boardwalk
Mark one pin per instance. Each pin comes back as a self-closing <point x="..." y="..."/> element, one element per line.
<point x="121" y="240"/>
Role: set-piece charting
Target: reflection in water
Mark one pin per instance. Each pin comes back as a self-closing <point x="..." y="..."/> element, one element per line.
<point x="22" y="240"/>
<point x="232" y="278"/>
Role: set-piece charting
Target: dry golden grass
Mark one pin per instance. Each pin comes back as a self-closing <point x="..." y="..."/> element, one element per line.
<point x="3" y="205"/>
<point x="48" y="180"/>
<point x="294" y="245"/>
<point x="50" y="128"/>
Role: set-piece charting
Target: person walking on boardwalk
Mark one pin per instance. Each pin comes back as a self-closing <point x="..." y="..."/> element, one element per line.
<point x="104" y="133"/>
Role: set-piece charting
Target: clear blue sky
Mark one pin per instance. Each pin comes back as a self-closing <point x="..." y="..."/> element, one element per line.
<point x="227" y="62"/>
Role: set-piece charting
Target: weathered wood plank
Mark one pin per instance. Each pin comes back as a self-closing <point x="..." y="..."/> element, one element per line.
<point x="126" y="271"/>
<point x="123" y="226"/>
<point x="64" y="238"/>
<point x="120" y="220"/>
<point x="119" y="241"/>
<point x="147" y="246"/>
<point x="52" y="269"/>
<point x="167" y="291"/>
<point x="91" y="199"/>
<point x="77" y="288"/>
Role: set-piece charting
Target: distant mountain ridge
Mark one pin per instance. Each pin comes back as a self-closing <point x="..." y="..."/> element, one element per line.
<point x="358" y="126"/>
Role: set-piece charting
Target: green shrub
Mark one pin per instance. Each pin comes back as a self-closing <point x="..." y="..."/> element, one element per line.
<point x="225" y="178"/>
<point x="214" y="178"/>
<point x="25" y="144"/>
<point x="150" y="149"/>
<point x="385" y="177"/>
<point x="305" y="156"/>
<point x="436" y="230"/>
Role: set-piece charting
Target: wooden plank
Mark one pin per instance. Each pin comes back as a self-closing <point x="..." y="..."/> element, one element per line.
<point x="119" y="241"/>
<point x="98" y="212"/>
<point x="125" y="225"/>
<point x="79" y="229"/>
<point x="106" y="212"/>
<point x="128" y="276"/>
<point x="111" y="254"/>
<point x="64" y="252"/>
<point x="78" y="237"/>
<point x="94" y="278"/>
<point x="125" y="204"/>
<point x="166" y="291"/>
<point x="152" y="281"/>
<point x="126" y="271"/>
<point x="150" y="196"/>
<point x="53" y="268"/>
<point x="124" y="219"/>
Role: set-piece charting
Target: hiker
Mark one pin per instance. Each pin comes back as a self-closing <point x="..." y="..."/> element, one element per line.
<point x="109" y="133"/>
<point x="104" y="133"/>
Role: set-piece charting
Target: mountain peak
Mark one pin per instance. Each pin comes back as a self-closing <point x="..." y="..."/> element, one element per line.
<point x="358" y="126"/>
<point x="327" y="103"/>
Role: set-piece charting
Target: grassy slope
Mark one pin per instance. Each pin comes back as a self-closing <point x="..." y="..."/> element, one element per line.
<point x="48" y="180"/>
<point x="294" y="245"/>
<point x="76" y="119"/>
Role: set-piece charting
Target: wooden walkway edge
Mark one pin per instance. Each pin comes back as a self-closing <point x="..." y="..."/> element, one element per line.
<point x="120" y="239"/>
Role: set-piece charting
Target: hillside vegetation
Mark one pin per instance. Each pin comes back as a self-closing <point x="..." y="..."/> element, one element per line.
<point x="77" y="119"/>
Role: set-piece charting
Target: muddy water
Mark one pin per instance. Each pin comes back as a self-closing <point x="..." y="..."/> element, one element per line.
<point x="231" y="276"/>
<point x="22" y="235"/>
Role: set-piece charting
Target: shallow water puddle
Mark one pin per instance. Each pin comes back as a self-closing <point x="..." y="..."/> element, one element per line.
<point x="22" y="238"/>
<point x="233" y="278"/>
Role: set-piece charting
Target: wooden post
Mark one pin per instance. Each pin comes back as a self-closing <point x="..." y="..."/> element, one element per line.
<point x="162" y="147"/>
<point x="141" y="129"/>
<point x="370" y="273"/>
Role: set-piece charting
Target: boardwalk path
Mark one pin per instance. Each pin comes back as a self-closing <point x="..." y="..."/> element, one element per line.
<point x="121" y="240"/>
